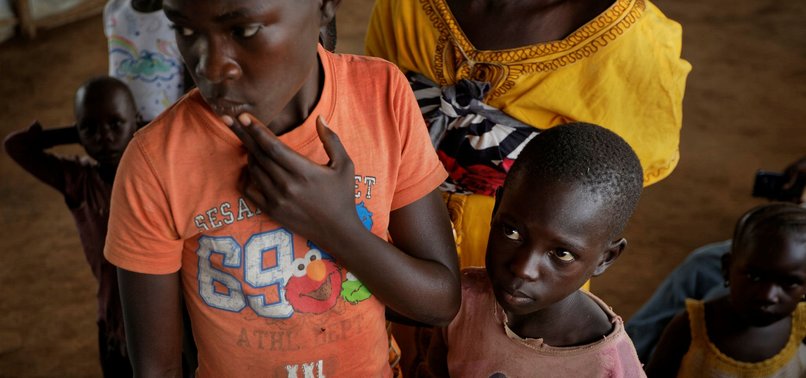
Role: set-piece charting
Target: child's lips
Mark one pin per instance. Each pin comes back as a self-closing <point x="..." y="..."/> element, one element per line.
<point x="222" y="106"/>
<point x="516" y="297"/>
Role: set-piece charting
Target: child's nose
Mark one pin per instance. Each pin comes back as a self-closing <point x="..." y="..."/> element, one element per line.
<point x="769" y="294"/>
<point x="526" y="266"/>
<point x="215" y="61"/>
<point x="107" y="134"/>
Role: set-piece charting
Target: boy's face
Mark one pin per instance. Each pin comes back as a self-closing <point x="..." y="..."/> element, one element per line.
<point x="248" y="55"/>
<point x="545" y="243"/>
<point x="768" y="277"/>
<point x="105" y="125"/>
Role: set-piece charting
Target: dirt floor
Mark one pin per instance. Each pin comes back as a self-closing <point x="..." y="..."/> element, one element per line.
<point x="744" y="109"/>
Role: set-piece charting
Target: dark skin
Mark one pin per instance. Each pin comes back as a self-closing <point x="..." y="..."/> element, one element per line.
<point x="147" y="6"/>
<point x="543" y="246"/>
<point x="259" y="57"/>
<point x="767" y="279"/>
<point x="105" y="122"/>
<point x="502" y="24"/>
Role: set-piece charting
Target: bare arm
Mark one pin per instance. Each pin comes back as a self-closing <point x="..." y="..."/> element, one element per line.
<point x="153" y="319"/>
<point x="27" y="148"/>
<point x="673" y="345"/>
<point x="417" y="277"/>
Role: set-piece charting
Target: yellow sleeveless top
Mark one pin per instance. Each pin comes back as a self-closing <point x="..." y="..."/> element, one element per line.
<point x="622" y="70"/>
<point x="703" y="359"/>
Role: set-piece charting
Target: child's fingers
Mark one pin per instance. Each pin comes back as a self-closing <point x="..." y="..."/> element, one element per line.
<point x="339" y="159"/>
<point x="240" y="131"/>
<point x="266" y="181"/>
<point x="273" y="151"/>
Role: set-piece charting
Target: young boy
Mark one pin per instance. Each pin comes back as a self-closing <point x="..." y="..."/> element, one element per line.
<point x="291" y="278"/>
<point x="105" y="122"/>
<point x="557" y="222"/>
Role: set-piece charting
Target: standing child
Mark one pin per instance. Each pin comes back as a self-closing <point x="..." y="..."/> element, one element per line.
<point x="557" y="222"/>
<point x="757" y="329"/>
<point x="143" y="54"/>
<point x="105" y="122"/>
<point x="291" y="278"/>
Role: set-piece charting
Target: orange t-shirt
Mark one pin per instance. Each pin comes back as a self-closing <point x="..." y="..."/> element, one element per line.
<point x="256" y="308"/>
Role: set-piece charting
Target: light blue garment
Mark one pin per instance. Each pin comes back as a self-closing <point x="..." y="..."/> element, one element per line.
<point x="698" y="277"/>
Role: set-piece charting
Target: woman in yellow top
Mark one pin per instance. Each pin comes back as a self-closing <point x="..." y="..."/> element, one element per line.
<point x="542" y="63"/>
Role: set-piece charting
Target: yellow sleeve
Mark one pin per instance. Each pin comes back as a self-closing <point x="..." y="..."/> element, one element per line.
<point x="380" y="37"/>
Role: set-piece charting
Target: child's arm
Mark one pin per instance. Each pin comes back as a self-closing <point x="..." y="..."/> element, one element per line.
<point x="27" y="148"/>
<point x="673" y="345"/>
<point x="153" y="319"/>
<point x="437" y="356"/>
<point x="417" y="277"/>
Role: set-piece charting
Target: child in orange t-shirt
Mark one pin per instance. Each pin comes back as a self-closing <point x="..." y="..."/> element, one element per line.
<point x="277" y="235"/>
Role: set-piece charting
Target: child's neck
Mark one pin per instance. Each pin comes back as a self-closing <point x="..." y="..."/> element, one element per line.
<point x="731" y="334"/>
<point x="499" y="24"/>
<point x="107" y="172"/>
<point x="302" y="105"/>
<point x="576" y="320"/>
<point x="147" y="6"/>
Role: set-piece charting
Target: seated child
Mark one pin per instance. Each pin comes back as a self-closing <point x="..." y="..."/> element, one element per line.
<point x="757" y="329"/>
<point x="267" y="198"/>
<point x="698" y="277"/>
<point x="557" y="222"/>
<point x="105" y="122"/>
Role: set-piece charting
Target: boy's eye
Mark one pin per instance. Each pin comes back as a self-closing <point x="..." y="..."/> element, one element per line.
<point x="563" y="255"/>
<point x="791" y="284"/>
<point x="183" y="31"/>
<point x="247" y="31"/>
<point x="512" y="233"/>
<point x="753" y="277"/>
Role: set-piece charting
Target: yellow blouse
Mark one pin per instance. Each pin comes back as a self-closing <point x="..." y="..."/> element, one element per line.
<point x="704" y="359"/>
<point x="622" y="70"/>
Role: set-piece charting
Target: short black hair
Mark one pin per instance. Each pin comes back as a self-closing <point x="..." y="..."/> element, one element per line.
<point x="784" y="218"/>
<point x="100" y="87"/>
<point x="588" y="155"/>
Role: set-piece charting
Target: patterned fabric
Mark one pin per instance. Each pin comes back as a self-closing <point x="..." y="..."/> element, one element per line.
<point x="476" y="142"/>
<point x="621" y="70"/>
<point x="143" y="54"/>
<point x="704" y="359"/>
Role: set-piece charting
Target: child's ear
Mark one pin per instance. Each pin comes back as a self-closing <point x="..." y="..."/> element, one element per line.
<point x="726" y="261"/>
<point x="328" y="11"/>
<point x="499" y="194"/>
<point x="610" y="255"/>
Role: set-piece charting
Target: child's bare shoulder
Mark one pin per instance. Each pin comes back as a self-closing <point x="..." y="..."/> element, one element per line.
<point x="366" y="67"/>
<point x="600" y="318"/>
